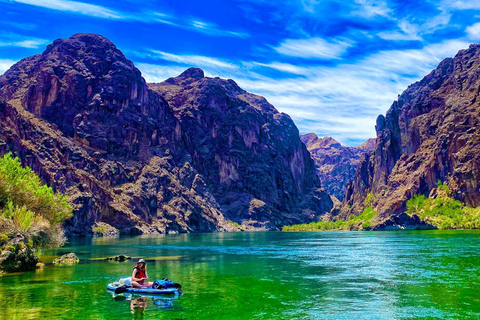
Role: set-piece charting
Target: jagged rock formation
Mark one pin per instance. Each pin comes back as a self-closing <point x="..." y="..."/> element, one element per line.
<point x="336" y="164"/>
<point x="431" y="133"/>
<point x="233" y="136"/>
<point x="82" y="117"/>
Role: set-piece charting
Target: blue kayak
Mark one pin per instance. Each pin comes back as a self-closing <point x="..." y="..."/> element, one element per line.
<point x="176" y="289"/>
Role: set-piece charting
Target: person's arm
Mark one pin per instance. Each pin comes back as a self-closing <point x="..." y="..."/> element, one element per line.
<point x="146" y="274"/>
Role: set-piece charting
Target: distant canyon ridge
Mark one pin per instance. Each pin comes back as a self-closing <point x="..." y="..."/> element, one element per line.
<point x="336" y="164"/>
<point x="199" y="154"/>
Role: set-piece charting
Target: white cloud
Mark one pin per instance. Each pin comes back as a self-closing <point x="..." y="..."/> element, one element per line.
<point x="212" y="29"/>
<point x="192" y="60"/>
<point x="407" y="31"/>
<point x="5" y="64"/>
<point x="461" y="4"/>
<point x="147" y="17"/>
<point x="75" y="7"/>
<point x="154" y="73"/>
<point x="314" y="48"/>
<point x="371" y="8"/>
<point x="27" y="43"/>
<point x="473" y="31"/>
<point x="342" y="101"/>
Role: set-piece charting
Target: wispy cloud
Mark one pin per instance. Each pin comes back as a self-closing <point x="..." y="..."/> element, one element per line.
<point x="186" y="60"/>
<point x="158" y="73"/>
<point x="314" y="48"/>
<point x="461" y="4"/>
<point x="212" y="29"/>
<point x="23" y="26"/>
<point x="407" y="31"/>
<point x="342" y="100"/>
<point x="192" y="24"/>
<point x="76" y="7"/>
<point x="372" y="8"/>
<point x="473" y="31"/>
<point x="17" y="40"/>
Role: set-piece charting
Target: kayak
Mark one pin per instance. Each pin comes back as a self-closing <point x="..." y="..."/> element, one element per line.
<point x="176" y="289"/>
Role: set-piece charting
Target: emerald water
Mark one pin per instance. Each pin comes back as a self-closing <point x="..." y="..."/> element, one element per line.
<point x="268" y="275"/>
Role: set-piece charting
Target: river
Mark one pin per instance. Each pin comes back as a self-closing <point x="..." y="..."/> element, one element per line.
<point x="262" y="275"/>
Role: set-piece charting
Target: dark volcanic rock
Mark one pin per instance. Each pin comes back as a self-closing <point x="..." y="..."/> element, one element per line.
<point x="82" y="117"/>
<point x="248" y="153"/>
<point x="336" y="164"/>
<point x="402" y="221"/>
<point x="429" y="134"/>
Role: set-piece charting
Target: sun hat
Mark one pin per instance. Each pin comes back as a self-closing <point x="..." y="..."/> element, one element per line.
<point x="141" y="260"/>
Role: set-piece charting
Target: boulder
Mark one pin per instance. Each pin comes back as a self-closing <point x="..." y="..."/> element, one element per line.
<point x="15" y="256"/>
<point x="120" y="258"/>
<point x="67" y="259"/>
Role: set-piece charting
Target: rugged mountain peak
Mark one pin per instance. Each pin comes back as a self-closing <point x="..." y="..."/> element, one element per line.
<point x="312" y="140"/>
<point x="94" y="42"/>
<point x="250" y="153"/>
<point x="91" y="92"/>
<point x="194" y="73"/>
<point x="81" y="115"/>
<point x="368" y="145"/>
<point x="429" y="134"/>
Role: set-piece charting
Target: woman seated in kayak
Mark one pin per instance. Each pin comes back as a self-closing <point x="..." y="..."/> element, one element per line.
<point x="140" y="274"/>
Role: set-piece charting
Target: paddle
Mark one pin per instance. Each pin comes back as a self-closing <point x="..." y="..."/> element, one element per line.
<point x="120" y="289"/>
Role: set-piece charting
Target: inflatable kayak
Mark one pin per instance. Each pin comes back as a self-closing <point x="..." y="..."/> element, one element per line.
<point x="123" y="285"/>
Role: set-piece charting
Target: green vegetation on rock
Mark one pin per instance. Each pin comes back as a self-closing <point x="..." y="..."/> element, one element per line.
<point x="443" y="211"/>
<point x="362" y="221"/>
<point x="31" y="214"/>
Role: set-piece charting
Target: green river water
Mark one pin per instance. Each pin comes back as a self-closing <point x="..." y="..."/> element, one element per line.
<point x="262" y="275"/>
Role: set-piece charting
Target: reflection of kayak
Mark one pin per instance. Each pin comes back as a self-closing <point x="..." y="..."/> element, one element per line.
<point x="175" y="289"/>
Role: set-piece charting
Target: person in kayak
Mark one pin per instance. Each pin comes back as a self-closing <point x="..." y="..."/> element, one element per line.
<point x="139" y="275"/>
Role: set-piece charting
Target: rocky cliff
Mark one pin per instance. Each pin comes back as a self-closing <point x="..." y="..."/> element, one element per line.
<point x="430" y="134"/>
<point x="249" y="153"/>
<point x="335" y="163"/>
<point x="81" y="115"/>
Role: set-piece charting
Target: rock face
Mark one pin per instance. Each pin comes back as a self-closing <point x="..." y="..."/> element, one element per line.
<point x="249" y="154"/>
<point x="402" y="221"/>
<point x="82" y="117"/>
<point x="336" y="164"/>
<point x="429" y="134"/>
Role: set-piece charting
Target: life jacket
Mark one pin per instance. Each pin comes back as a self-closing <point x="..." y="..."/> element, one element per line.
<point x="139" y="273"/>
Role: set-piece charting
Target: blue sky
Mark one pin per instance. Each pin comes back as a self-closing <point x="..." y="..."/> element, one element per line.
<point x="333" y="66"/>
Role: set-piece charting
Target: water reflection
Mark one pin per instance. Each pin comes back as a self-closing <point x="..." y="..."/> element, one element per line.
<point x="138" y="307"/>
<point x="138" y="304"/>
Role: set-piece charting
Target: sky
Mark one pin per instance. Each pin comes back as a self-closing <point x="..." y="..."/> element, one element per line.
<point x="333" y="66"/>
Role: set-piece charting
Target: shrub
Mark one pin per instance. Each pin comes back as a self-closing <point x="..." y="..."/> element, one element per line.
<point x="351" y="222"/>
<point x="29" y="207"/>
<point x="444" y="212"/>
<point x="99" y="230"/>
<point x="3" y="239"/>
<point x="369" y="199"/>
